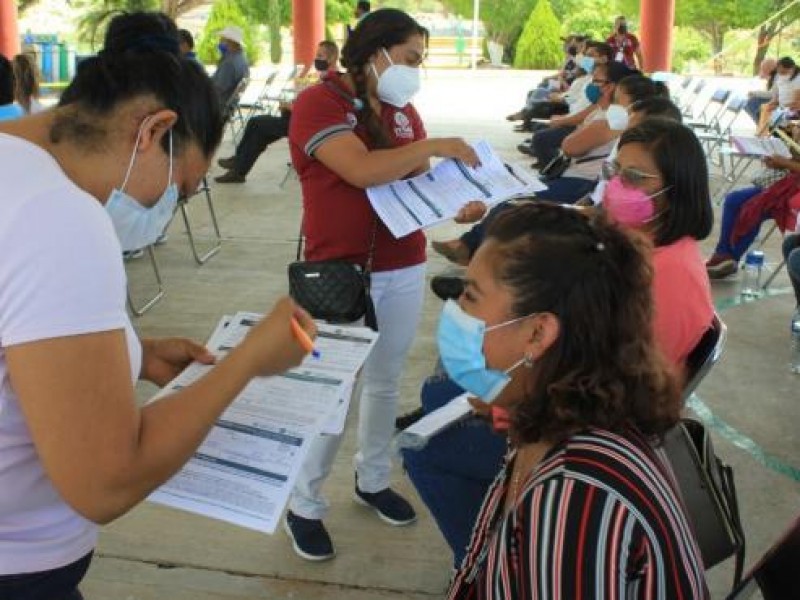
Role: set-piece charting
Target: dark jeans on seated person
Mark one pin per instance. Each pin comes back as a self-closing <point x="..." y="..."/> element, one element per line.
<point x="564" y="190"/>
<point x="546" y="143"/>
<point x="57" y="584"/>
<point x="453" y="472"/>
<point x="260" y="132"/>
<point x="791" y="254"/>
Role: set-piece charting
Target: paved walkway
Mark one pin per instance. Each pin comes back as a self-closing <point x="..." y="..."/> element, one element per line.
<point x="156" y="552"/>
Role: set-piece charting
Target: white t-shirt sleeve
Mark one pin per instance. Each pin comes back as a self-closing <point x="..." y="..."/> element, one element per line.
<point x="61" y="273"/>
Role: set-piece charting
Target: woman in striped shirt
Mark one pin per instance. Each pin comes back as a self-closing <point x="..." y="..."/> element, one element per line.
<point x="554" y="324"/>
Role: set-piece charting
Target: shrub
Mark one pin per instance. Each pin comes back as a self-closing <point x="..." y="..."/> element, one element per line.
<point x="540" y="46"/>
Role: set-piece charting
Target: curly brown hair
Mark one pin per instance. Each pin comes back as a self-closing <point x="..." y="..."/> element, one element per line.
<point x="603" y="370"/>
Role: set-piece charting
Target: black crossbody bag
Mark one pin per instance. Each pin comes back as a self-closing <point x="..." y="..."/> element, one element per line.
<point x="335" y="291"/>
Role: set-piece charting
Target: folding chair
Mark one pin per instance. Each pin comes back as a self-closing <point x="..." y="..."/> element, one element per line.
<point x="687" y="102"/>
<point x="708" y="118"/>
<point x="148" y="304"/>
<point x="289" y="172"/>
<point x="282" y="89"/>
<point x="216" y="243"/>
<point x="705" y="355"/>
<point x="232" y="113"/>
<point x="258" y="103"/>
<point x="722" y="129"/>
<point x="775" y="575"/>
<point x="780" y="266"/>
<point x="678" y="92"/>
<point x="738" y="163"/>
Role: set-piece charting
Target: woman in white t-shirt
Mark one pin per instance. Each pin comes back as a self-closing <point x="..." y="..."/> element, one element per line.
<point x="98" y="174"/>
<point x="785" y="91"/>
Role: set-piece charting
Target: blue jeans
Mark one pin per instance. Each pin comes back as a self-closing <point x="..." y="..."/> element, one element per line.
<point x="730" y="214"/>
<point x="791" y="254"/>
<point x="57" y="584"/>
<point x="753" y="107"/>
<point x="455" y="470"/>
<point x="566" y="190"/>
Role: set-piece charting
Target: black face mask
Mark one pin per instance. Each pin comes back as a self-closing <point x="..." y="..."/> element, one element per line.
<point x="321" y="65"/>
<point x="623" y="29"/>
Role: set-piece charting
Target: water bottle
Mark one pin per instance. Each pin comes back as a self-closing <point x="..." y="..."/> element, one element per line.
<point x="795" y="346"/>
<point x="751" y="281"/>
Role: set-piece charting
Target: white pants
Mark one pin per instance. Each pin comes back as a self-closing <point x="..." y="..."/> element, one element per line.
<point x="397" y="296"/>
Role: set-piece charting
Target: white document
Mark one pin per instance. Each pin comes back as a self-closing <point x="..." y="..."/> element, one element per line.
<point x="761" y="146"/>
<point x="246" y="468"/>
<point x="419" y="433"/>
<point x="408" y="205"/>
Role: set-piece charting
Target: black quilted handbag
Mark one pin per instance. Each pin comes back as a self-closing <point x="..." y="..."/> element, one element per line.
<point x="335" y="291"/>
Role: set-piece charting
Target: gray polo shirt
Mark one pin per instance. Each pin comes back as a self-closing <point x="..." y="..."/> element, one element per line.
<point x="230" y="71"/>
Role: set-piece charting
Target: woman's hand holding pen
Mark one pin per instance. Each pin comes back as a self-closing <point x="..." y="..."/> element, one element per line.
<point x="273" y="346"/>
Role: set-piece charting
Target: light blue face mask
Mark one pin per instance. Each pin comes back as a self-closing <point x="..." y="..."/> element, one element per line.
<point x="136" y="225"/>
<point x="587" y="64"/>
<point x="460" y="339"/>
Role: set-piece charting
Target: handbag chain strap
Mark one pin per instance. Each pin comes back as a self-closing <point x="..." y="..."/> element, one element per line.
<point x="370" y="253"/>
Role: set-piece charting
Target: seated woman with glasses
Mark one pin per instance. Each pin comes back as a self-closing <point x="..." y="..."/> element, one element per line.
<point x="557" y="312"/>
<point x="589" y="145"/>
<point x="658" y="185"/>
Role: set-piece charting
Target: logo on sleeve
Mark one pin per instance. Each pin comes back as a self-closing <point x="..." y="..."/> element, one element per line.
<point x="352" y="120"/>
<point x="402" y="126"/>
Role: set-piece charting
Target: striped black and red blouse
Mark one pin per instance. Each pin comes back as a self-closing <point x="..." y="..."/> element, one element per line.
<point x="599" y="518"/>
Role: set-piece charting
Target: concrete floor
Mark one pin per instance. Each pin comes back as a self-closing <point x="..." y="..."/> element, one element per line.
<point x="155" y="552"/>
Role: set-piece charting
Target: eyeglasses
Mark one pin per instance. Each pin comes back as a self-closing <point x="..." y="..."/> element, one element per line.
<point x="629" y="175"/>
<point x="600" y="81"/>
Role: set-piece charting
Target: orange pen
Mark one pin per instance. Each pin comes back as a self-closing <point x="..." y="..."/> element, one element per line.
<point x="302" y="337"/>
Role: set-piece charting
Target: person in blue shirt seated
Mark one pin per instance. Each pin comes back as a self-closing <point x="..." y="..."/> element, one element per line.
<point x="8" y="108"/>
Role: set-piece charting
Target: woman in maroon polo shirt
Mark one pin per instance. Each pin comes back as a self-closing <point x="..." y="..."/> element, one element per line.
<point x="350" y="132"/>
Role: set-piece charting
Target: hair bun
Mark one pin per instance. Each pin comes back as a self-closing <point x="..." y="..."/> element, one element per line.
<point x="141" y="33"/>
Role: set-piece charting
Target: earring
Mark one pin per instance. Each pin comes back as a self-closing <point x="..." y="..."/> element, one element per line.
<point x="527" y="360"/>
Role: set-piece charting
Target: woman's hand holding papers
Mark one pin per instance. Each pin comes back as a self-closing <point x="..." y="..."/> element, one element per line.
<point x="455" y="148"/>
<point x="271" y="345"/>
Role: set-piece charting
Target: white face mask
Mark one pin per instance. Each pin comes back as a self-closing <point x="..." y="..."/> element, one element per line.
<point x="136" y="225"/>
<point x="398" y="83"/>
<point x="617" y="117"/>
<point x="782" y="78"/>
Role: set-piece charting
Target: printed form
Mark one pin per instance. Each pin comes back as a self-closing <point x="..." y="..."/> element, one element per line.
<point x="245" y="470"/>
<point x="760" y="146"/>
<point x="408" y="205"/>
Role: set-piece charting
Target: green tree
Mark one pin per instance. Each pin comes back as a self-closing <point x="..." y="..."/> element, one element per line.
<point x="502" y="20"/>
<point x="539" y="46"/>
<point x="95" y="15"/>
<point x="223" y="13"/>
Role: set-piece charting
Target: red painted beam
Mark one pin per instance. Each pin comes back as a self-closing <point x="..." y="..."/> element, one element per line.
<point x="308" y="19"/>
<point x="9" y="30"/>
<point x="656" y="28"/>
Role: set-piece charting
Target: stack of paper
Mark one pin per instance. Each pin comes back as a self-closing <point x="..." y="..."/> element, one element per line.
<point x="246" y="468"/>
<point x="418" y="434"/>
<point x="408" y="205"/>
<point x="760" y="146"/>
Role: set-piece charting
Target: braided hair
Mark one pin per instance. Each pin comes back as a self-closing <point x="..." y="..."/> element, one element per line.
<point x="382" y="28"/>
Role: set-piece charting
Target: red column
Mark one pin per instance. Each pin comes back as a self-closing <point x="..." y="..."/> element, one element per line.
<point x="9" y="31"/>
<point x="657" y="22"/>
<point x="308" y="19"/>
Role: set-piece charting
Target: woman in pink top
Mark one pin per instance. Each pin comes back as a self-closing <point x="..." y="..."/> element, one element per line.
<point x="659" y="185"/>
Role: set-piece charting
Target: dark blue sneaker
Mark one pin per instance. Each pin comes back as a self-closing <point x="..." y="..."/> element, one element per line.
<point x="390" y="506"/>
<point x="310" y="539"/>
